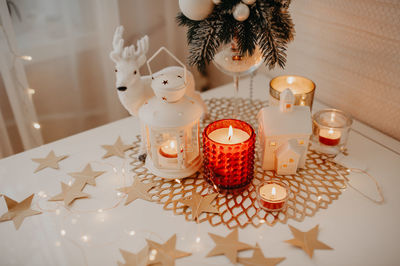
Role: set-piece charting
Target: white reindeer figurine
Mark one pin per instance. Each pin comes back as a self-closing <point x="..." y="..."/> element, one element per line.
<point x="133" y="89"/>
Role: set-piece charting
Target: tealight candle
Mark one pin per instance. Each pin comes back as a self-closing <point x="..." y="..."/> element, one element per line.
<point x="272" y="195"/>
<point x="330" y="131"/>
<point x="329" y="137"/>
<point x="303" y="89"/>
<point x="168" y="149"/>
<point x="229" y="135"/>
<point x="228" y="153"/>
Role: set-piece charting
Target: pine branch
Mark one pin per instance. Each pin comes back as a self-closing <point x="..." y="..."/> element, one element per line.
<point x="204" y="44"/>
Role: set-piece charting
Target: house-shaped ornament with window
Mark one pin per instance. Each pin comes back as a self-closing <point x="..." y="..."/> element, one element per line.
<point x="284" y="133"/>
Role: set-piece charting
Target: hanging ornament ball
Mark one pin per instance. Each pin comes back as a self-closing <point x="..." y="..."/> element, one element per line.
<point x="249" y="2"/>
<point x="196" y="9"/>
<point x="217" y="2"/>
<point x="241" y="12"/>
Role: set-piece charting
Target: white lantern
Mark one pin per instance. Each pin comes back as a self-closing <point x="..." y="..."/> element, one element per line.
<point x="170" y="124"/>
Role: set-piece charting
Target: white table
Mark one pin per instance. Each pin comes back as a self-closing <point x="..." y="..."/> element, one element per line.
<point x="361" y="232"/>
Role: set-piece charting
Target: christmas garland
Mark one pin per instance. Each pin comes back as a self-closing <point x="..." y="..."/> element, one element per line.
<point x="251" y="23"/>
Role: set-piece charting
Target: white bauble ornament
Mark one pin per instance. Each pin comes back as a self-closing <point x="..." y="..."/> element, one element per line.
<point x="217" y="2"/>
<point x="241" y="12"/>
<point x="249" y="2"/>
<point x="196" y="9"/>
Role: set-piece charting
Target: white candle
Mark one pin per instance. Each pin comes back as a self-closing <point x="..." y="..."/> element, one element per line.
<point x="169" y="149"/>
<point x="229" y="135"/>
<point x="273" y="192"/>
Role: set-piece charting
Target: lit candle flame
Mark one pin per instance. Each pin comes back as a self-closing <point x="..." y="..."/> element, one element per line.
<point x="172" y="144"/>
<point x="273" y="192"/>
<point x="230" y="133"/>
<point x="330" y="131"/>
<point x="290" y="80"/>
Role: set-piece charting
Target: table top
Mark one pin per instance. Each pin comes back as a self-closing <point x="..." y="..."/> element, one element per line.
<point x="361" y="232"/>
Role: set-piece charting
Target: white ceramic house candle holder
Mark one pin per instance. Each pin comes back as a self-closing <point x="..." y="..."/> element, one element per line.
<point x="170" y="125"/>
<point x="284" y="133"/>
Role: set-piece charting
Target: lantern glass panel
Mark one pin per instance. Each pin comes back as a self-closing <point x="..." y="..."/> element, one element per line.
<point x="192" y="143"/>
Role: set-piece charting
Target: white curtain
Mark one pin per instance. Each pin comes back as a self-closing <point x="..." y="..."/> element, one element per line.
<point x="71" y="72"/>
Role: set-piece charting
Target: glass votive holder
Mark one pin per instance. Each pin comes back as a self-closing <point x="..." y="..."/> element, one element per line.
<point x="228" y="152"/>
<point x="331" y="129"/>
<point x="302" y="88"/>
<point x="273" y="195"/>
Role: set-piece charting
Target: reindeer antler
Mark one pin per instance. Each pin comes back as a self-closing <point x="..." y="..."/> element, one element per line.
<point x="120" y="52"/>
<point x="118" y="44"/>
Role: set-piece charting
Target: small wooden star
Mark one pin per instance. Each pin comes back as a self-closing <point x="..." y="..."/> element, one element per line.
<point x="51" y="160"/>
<point x="18" y="211"/>
<point x="259" y="259"/>
<point x="138" y="190"/>
<point x="228" y="246"/>
<point x="87" y="176"/>
<point x="70" y="193"/>
<point x="131" y="259"/>
<point x="200" y="204"/>
<point x="165" y="82"/>
<point x="307" y="240"/>
<point x="117" y="149"/>
<point x="166" y="253"/>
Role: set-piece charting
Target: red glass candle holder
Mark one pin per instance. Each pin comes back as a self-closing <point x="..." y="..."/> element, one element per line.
<point x="228" y="166"/>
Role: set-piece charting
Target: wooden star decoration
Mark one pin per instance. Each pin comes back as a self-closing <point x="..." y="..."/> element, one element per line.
<point x="51" y="160"/>
<point x="117" y="149"/>
<point x="131" y="259"/>
<point x="18" y="211"/>
<point x="307" y="240"/>
<point x="166" y="253"/>
<point x="200" y="204"/>
<point x="70" y="193"/>
<point x="87" y="176"/>
<point x="228" y="246"/>
<point x="138" y="190"/>
<point x="259" y="259"/>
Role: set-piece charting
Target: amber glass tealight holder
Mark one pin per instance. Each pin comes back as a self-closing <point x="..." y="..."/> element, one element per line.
<point x="331" y="129"/>
<point x="273" y="195"/>
<point x="303" y="89"/>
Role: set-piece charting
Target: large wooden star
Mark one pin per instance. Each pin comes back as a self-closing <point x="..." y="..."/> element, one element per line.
<point x="51" y="160"/>
<point x="131" y="259"/>
<point x="87" y="176"/>
<point x="166" y="254"/>
<point x="307" y="240"/>
<point x="117" y="149"/>
<point x="259" y="259"/>
<point x="200" y="204"/>
<point x="18" y="211"/>
<point x="228" y="246"/>
<point x="70" y="193"/>
<point x="138" y="190"/>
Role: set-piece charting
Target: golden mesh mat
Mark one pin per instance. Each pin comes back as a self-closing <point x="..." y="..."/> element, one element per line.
<point x="312" y="188"/>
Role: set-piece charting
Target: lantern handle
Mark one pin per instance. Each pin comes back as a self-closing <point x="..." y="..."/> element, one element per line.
<point x="173" y="56"/>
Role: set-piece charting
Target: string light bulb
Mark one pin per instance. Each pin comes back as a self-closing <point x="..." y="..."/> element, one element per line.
<point x="36" y="125"/>
<point x="26" y="57"/>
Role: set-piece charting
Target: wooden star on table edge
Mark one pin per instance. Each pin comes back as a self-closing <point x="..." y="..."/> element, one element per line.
<point x="307" y="240"/>
<point x="117" y="149"/>
<point x="51" y="160"/>
<point x="70" y="193"/>
<point x="259" y="259"/>
<point x="87" y="175"/>
<point x="228" y="246"/>
<point x="18" y="211"/>
<point x="200" y="204"/>
<point x="138" y="190"/>
<point x="132" y="259"/>
<point x="166" y="253"/>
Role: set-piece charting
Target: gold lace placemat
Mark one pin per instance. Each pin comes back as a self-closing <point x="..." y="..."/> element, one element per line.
<point x="312" y="188"/>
